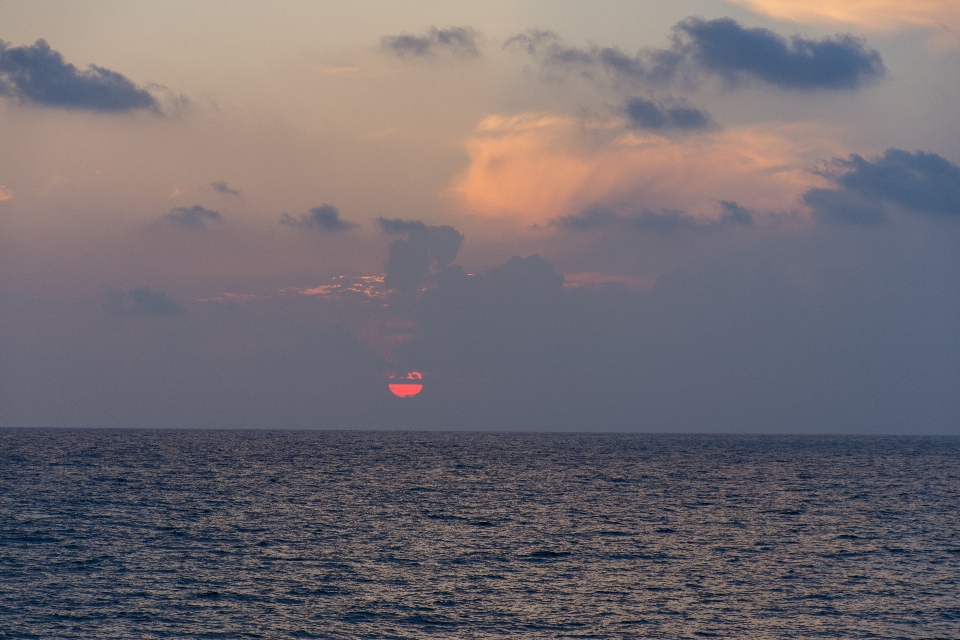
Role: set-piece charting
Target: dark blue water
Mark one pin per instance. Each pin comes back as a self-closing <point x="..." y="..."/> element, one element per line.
<point x="137" y="534"/>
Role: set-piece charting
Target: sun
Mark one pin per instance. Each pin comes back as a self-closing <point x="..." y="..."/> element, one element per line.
<point x="406" y="386"/>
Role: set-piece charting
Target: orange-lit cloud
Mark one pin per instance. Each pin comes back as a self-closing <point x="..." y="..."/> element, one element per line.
<point x="363" y="287"/>
<point x="943" y="16"/>
<point x="366" y="286"/>
<point x="534" y="167"/>
<point x="5" y="194"/>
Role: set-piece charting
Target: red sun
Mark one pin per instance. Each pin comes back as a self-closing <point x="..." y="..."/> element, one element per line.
<point x="406" y="386"/>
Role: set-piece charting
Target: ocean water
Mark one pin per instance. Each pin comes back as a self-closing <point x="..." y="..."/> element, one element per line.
<point x="272" y="534"/>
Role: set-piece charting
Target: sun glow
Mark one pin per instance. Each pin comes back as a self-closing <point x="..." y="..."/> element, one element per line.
<point x="876" y="14"/>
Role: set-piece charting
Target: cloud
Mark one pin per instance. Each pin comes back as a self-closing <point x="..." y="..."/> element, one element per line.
<point x="194" y="217"/>
<point x="457" y="41"/>
<point x="725" y="47"/>
<point x="412" y="258"/>
<point x="222" y="187"/>
<point x="720" y="47"/>
<point x="39" y="75"/>
<point x="142" y="301"/>
<point x="5" y="194"/>
<point x="397" y="225"/>
<point x="919" y="182"/>
<point x="646" y="114"/>
<point x="323" y="218"/>
<point x="940" y="16"/>
<point x="533" y="168"/>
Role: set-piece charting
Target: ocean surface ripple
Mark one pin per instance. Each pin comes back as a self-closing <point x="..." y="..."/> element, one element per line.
<point x="273" y="534"/>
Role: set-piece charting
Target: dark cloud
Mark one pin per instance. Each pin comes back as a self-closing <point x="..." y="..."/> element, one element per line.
<point x="919" y="182"/>
<point x="39" y="75"/>
<point x="322" y="218"/>
<point x="194" y="217"/>
<point x="222" y="187"/>
<point x="412" y="258"/>
<point x="733" y="51"/>
<point x="647" y="114"/>
<point x="456" y="41"/>
<point x="722" y="47"/>
<point x="397" y="225"/>
<point x="142" y="301"/>
<point x="649" y="221"/>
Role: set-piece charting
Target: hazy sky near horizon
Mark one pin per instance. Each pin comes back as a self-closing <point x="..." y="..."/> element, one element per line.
<point x="733" y="215"/>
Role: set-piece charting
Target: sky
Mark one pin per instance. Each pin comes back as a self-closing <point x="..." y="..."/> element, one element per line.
<point x="706" y="216"/>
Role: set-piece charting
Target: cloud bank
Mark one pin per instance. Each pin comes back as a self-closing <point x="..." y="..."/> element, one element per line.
<point x="39" y="75"/>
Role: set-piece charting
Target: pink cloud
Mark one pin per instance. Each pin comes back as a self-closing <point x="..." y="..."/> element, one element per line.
<point x="534" y="167"/>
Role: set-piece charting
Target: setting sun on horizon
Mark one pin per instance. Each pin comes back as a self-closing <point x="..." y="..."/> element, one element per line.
<point x="406" y="386"/>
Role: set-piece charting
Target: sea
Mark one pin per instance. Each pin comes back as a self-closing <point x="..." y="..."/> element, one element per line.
<point x="324" y="534"/>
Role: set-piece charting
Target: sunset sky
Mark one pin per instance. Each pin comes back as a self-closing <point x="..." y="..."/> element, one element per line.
<point x="596" y="216"/>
